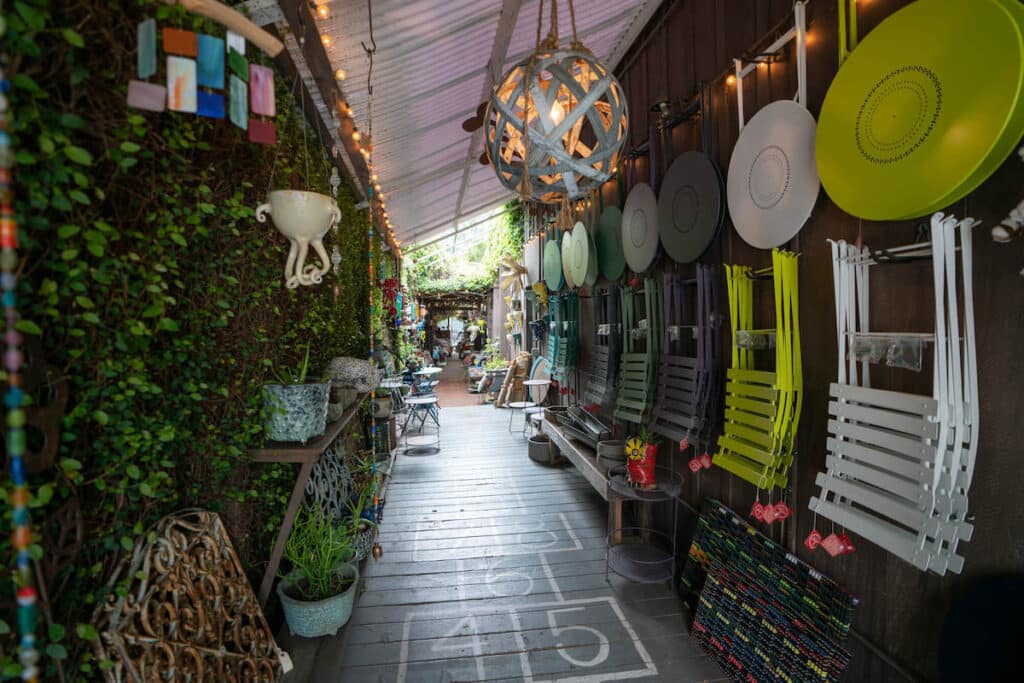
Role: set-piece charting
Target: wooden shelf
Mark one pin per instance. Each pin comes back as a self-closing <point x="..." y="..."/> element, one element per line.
<point x="579" y="455"/>
<point x="307" y="456"/>
<point x="294" y="452"/>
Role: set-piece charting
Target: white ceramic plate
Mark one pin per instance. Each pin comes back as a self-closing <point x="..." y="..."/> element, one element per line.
<point x="773" y="177"/>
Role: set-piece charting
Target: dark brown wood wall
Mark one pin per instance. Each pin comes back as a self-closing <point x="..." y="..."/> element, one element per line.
<point x="902" y="609"/>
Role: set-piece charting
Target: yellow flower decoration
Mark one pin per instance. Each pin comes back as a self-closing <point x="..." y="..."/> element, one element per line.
<point x="634" y="449"/>
<point x="541" y="290"/>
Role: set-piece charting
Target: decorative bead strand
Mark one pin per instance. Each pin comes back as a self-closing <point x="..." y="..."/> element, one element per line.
<point x="14" y="398"/>
<point x="373" y="363"/>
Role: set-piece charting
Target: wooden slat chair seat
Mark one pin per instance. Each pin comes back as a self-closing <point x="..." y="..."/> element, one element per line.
<point x="899" y="465"/>
<point x="762" y="408"/>
<point x="637" y="373"/>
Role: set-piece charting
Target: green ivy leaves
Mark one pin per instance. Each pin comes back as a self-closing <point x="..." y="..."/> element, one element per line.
<point x="156" y="296"/>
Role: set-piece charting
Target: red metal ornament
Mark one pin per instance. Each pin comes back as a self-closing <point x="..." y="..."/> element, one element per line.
<point x="757" y="512"/>
<point x="846" y="545"/>
<point x="832" y="545"/>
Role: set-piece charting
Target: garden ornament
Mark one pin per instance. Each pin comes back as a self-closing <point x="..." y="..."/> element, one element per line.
<point x="512" y="276"/>
<point x="304" y="218"/>
<point x="541" y="290"/>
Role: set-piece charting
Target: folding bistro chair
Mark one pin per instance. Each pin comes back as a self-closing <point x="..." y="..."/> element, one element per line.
<point x="899" y="465"/>
<point x="638" y="370"/>
<point x="762" y="407"/>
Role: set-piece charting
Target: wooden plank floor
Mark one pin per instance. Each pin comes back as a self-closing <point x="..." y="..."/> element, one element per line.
<point x="493" y="570"/>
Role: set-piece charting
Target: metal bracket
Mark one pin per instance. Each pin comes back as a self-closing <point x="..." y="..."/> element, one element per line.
<point x="770" y="54"/>
<point x="847" y="29"/>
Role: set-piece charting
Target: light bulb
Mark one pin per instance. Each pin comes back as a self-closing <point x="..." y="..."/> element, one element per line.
<point x="731" y="80"/>
<point x="374" y="177"/>
<point x="557" y="113"/>
<point x="340" y="73"/>
<point x="323" y="11"/>
<point x="326" y="40"/>
<point x="356" y="135"/>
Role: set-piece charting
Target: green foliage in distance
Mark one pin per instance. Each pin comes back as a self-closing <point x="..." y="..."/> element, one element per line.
<point x="431" y="271"/>
<point x="156" y="295"/>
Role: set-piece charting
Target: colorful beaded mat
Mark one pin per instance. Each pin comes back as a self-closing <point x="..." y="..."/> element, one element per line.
<point x="762" y="613"/>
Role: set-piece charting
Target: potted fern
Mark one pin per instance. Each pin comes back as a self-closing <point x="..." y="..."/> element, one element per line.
<point x="318" y="594"/>
<point x="296" y="409"/>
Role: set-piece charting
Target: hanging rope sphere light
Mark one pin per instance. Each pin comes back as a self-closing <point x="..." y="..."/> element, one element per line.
<point x="556" y="122"/>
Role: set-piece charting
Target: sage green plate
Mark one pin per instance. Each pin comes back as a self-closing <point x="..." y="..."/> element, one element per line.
<point x="919" y="113"/>
<point x="553" y="266"/>
<point x="610" y="259"/>
<point x="592" y="268"/>
<point x="567" y="271"/>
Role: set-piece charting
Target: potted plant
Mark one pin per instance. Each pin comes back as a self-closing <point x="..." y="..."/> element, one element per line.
<point x="318" y="594"/>
<point x="362" y="528"/>
<point x="296" y="409"/>
<point x="641" y="454"/>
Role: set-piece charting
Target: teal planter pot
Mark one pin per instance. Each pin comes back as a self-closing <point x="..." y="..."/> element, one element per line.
<point x="320" y="617"/>
<point x="296" y="412"/>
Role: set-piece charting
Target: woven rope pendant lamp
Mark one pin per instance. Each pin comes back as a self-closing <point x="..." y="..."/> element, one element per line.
<point x="556" y="122"/>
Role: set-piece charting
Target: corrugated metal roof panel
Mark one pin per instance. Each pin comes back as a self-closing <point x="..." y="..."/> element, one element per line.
<point x="430" y="73"/>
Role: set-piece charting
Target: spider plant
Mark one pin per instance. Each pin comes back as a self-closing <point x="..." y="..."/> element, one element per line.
<point x="297" y="375"/>
<point x="317" y="549"/>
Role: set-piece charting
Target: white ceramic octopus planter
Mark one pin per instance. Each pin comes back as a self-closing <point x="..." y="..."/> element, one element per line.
<point x="304" y="218"/>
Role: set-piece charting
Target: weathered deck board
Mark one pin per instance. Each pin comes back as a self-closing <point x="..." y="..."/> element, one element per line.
<point x="493" y="569"/>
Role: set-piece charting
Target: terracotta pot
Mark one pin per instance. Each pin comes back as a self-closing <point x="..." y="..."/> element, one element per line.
<point x="641" y="470"/>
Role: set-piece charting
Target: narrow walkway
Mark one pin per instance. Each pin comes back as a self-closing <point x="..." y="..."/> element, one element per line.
<point x="493" y="569"/>
<point x="453" y="391"/>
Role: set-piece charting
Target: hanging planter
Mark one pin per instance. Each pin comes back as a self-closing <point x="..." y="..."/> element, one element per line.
<point x="304" y="218"/>
<point x="556" y="122"/>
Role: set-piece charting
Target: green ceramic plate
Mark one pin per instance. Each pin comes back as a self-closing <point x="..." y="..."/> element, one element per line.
<point x="567" y="270"/>
<point x="553" y="266"/>
<point x="592" y="268"/>
<point x="905" y="126"/>
<point x="580" y="254"/>
<point x="610" y="258"/>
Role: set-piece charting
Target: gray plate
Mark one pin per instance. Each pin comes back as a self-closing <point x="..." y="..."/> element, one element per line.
<point x="689" y="207"/>
<point x="773" y="176"/>
<point x="640" y="227"/>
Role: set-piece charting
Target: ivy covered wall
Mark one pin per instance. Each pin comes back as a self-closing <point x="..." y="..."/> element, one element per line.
<point x="156" y="296"/>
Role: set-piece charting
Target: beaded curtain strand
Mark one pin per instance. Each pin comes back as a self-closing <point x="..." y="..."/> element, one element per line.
<point x="370" y="50"/>
<point x="14" y="398"/>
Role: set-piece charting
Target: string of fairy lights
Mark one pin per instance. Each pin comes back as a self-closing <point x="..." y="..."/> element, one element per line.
<point x="378" y="202"/>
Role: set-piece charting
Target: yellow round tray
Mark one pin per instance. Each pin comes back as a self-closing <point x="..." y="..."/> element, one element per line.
<point x="922" y="111"/>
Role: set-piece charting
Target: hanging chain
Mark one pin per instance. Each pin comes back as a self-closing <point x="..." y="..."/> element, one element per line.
<point x="305" y="143"/>
<point x="576" y="44"/>
<point x="277" y="150"/>
<point x="540" y="15"/>
<point x="552" y="40"/>
<point x="370" y="51"/>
